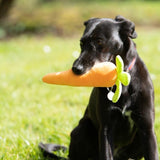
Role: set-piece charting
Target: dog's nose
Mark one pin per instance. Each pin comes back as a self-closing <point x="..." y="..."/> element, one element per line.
<point x="78" y="70"/>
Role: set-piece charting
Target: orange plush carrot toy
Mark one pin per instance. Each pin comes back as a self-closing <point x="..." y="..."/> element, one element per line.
<point x="104" y="74"/>
<point x="100" y="75"/>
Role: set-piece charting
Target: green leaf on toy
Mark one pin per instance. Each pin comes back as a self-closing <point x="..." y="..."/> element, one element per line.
<point x="119" y="64"/>
<point x="118" y="91"/>
<point x="122" y="77"/>
<point x="125" y="78"/>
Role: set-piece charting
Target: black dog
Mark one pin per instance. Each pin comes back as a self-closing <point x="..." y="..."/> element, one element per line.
<point x="113" y="131"/>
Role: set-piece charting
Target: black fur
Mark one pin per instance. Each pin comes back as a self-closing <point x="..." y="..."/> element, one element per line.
<point x="122" y="130"/>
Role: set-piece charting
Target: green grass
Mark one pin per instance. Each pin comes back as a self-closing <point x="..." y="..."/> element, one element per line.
<point x="32" y="111"/>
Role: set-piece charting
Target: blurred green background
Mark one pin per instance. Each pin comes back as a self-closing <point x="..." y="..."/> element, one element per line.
<point x="41" y="36"/>
<point x="65" y="17"/>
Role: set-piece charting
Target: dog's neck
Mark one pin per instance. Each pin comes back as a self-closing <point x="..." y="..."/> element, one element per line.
<point x="131" y="65"/>
<point x="130" y="56"/>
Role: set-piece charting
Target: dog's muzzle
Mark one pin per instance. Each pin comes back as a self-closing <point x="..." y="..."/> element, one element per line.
<point x="78" y="69"/>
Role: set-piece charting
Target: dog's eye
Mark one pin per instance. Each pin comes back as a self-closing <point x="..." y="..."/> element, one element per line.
<point x="99" y="42"/>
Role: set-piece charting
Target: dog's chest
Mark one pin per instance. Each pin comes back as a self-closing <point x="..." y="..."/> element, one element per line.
<point x="128" y="113"/>
<point x="124" y="131"/>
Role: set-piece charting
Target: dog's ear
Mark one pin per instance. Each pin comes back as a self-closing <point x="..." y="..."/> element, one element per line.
<point x="127" y="28"/>
<point x="92" y="20"/>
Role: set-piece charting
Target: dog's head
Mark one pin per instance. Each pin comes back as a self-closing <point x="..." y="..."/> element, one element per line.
<point x="102" y="40"/>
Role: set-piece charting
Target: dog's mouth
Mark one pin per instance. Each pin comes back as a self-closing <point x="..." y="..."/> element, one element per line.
<point x="110" y="58"/>
<point x="80" y="68"/>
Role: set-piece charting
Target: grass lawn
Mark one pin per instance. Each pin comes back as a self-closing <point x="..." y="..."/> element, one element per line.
<point x="32" y="111"/>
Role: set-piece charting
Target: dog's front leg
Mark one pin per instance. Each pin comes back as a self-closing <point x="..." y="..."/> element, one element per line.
<point x="147" y="135"/>
<point x="105" y="147"/>
<point x="104" y="117"/>
<point x="150" y="145"/>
